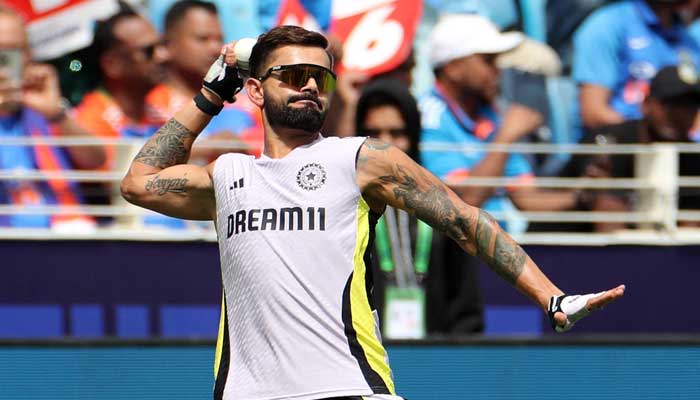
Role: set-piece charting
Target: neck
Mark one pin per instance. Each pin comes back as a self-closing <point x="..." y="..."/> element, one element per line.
<point x="468" y="104"/>
<point x="665" y="15"/>
<point x="131" y="99"/>
<point x="184" y="82"/>
<point x="281" y="141"/>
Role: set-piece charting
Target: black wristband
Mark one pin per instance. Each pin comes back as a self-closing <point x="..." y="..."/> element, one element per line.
<point x="207" y="106"/>
<point x="554" y="307"/>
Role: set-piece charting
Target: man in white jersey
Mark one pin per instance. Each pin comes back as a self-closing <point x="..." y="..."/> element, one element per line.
<point x="295" y="224"/>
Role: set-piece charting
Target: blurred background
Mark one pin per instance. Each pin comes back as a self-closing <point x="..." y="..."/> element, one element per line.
<point x="573" y="122"/>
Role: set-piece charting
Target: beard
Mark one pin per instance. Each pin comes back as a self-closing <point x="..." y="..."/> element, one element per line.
<point x="306" y="118"/>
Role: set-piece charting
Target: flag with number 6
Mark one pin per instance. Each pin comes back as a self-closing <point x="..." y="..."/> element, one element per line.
<point x="377" y="35"/>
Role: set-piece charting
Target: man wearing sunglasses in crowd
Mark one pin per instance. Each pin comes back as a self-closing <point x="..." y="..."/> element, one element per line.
<point x="130" y="57"/>
<point x="295" y="224"/>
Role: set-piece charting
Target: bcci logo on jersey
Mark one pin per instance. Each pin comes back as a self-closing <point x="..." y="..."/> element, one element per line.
<point x="311" y="176"/>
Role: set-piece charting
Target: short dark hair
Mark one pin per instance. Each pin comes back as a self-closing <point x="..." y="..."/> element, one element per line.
<point x="104" y="38"/>
<point x="286" y="35"/>
<point x="177" y="11"/>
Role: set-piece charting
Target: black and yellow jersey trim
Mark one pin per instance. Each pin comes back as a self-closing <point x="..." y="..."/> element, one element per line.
<point x="223" y="353"/>
<point x="358" y="318"/>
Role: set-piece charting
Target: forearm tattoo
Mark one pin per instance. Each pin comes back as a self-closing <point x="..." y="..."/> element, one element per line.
<point x="482" y="237"/>
<point x="169" y="146"/>
<point x="502" y="254"/>
<point x="164" y="186"/>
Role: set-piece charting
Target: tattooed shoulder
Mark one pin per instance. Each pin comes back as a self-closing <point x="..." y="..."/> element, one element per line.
<point x="368" y="151"/>
<point x="376" y="144"/>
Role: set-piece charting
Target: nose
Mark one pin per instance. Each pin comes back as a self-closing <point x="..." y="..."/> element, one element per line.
<point x="311" y="86"/>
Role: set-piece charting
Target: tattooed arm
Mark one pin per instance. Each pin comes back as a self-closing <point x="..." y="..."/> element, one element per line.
<point x="160" y="178"/>
<point x="387" y="176"/>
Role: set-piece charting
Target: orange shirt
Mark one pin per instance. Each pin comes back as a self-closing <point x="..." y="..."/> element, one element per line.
<point x="100" y="114"/>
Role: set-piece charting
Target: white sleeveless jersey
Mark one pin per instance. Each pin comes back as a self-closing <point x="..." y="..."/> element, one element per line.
<point x="293" y="233"/>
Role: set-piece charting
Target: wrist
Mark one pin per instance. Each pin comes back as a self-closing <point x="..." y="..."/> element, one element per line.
<point x="60" y="113"/>
<point x="213" y="98"/>
<point x="206" y="103"/>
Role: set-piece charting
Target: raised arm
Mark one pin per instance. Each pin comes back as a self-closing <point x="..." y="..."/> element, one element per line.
<point x="160" y="179"/>
<point x="387" y="176"/>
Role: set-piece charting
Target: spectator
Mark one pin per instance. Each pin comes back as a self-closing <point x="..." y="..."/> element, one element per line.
<point x="341" y="116"/>
<point x="619" y="48"/>
<point x="460" y="111"/>
<point x="668" y="113"/>
<point x="130" y="55"/>
<point x="193" y="40"/>
<point x="387" y="111"/>
<point x="563" y="18"/>
<point x="31" y="106"/>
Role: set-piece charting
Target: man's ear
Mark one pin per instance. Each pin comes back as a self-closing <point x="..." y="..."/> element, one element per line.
<point x="254" y="90"/>
<point x="111" y="65"/>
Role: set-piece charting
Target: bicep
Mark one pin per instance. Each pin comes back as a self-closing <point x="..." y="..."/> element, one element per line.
<point x="181" y="191"/>
<point x="389" y="176"/>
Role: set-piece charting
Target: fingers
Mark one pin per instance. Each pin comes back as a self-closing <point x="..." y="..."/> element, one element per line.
<point x="560" y="318"/>
<point x="229" y="54"/>
<point x="605" y="298"/>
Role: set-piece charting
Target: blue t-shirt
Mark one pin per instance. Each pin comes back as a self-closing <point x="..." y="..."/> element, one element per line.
<point x="28" y="123"/>
<point x="622" y="46"/>
<point x="443" y="122"/>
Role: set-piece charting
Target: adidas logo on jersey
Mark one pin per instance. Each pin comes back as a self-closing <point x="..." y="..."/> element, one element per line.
<point x="237" y="184"/>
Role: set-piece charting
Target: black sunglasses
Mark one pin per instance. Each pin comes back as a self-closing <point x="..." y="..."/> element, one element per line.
<point x="297" y="75"/>
<point x="148" y="50"/>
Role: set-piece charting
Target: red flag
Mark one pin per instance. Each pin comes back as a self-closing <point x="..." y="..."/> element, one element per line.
<point x="377" y="35"/>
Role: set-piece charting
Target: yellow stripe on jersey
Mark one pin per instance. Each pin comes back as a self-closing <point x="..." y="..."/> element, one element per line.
<point x="220" y="337"/>
<point x="362" y="317"/>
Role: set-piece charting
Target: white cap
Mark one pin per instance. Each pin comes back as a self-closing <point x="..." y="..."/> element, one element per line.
<point x="461" y="35"/>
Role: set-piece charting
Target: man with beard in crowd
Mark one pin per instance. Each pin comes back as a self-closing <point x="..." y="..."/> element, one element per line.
<point x="193" y="39"/>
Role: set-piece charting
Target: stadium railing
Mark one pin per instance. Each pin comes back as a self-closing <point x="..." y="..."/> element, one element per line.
<point x="656" y="186"/>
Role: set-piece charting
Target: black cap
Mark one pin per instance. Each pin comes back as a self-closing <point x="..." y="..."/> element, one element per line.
<point x="676" y="83"/>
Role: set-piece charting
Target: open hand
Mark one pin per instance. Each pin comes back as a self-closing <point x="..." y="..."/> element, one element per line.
<point x="564" y="311"/>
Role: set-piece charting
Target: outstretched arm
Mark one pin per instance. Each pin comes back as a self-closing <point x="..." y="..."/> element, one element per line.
<point x="160" y="178"/>
<point x="387" y="176"/>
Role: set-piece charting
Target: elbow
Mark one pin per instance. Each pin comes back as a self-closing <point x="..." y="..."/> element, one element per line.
<point x="129" y="190"/>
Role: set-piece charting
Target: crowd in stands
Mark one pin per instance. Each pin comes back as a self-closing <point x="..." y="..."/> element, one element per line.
<point x="633" y="66"/>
